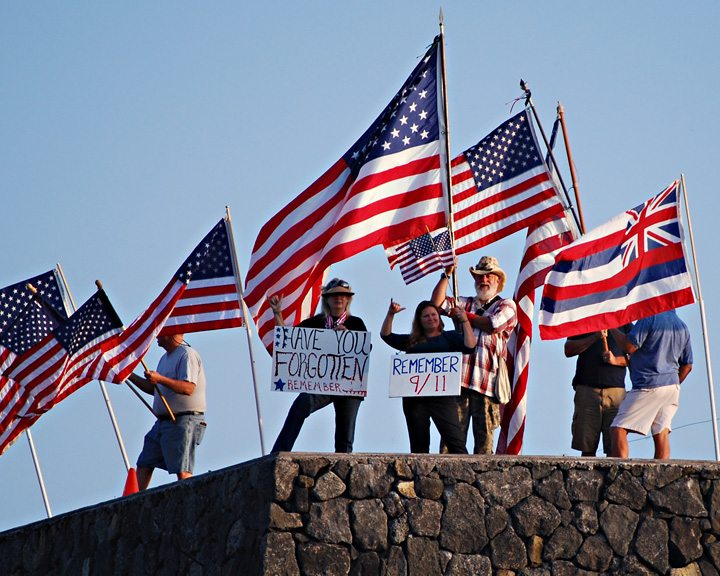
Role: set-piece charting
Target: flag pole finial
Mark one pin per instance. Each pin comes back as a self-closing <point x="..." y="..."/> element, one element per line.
<point x="32" y="288"/>
<point x="98" y="284"/>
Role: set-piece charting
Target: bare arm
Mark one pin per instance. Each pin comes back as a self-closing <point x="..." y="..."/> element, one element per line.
<point x="440" y="291"/>
<point x="276" y="306"/>
<point x="683" y="371"/>
<point x="468" y="335"/>
<point x="623" y="341"/>
<point x="394" y="308"/>
<point x="573" y="347"/>
<point x="153" y="378"/>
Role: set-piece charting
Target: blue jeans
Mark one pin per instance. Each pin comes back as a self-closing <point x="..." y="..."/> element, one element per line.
<point x="346" y="409"/>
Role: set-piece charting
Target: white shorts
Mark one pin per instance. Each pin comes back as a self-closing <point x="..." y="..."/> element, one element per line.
<point x="648" y="409"/>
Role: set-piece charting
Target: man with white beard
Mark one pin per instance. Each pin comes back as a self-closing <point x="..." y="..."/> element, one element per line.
<point x="493" y="319"/>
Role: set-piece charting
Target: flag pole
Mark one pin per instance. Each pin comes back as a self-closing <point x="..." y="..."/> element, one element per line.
<point x="447" y="171"/>
<point x="571" y="164"/>
<point x="531" y="105"/>
<point x="703" y="323"/>
<point x="39" y="473"/>
<point x="246" y="320"/>
<point x="103" y="389"/>
<point x="102" y="385"/>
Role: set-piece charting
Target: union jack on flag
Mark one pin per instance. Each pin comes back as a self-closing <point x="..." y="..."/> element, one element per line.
<point x="629" y="268"/>
<point x="651" y="226"/>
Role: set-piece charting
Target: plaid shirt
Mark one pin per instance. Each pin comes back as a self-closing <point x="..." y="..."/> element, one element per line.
<point x="480" y="367"/>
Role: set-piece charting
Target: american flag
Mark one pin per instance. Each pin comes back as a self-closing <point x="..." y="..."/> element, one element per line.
<point x="198" y="297"/>
<point x="423" y="255"/>
<point x="58" y="364"/>
<point x="542" y="244"/>
<point x="386" y="189"/>
<point x="501" y="185"/>
<point x="25" y="319"/>
<point x="630" y="267"/>
<point x="210" y="300"/>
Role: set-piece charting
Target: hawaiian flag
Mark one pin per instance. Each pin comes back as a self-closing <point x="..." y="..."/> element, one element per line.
<point x="629" y="268"/>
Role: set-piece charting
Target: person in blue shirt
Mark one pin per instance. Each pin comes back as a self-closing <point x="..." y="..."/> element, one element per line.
<point x="660" y="359"/>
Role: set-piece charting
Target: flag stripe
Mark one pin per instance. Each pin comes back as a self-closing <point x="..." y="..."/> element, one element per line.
<point x="385" y="190"/>
<point x="628" y="268"/>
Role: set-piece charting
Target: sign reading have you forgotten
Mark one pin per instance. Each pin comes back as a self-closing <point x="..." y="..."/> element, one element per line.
<point x="319" y="361"/>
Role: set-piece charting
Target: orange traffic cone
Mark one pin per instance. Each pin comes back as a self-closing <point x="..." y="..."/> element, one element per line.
<point x="131" y="485"/>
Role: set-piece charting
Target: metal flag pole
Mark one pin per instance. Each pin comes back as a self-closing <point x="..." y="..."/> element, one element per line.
<point x="102" y="384"/>
<point x="531" y="104"/>
<point x="447" y="171"/>
<point x="703" y="323"/>
<point x="39" y="473"/>
<point x="246" y="320"/>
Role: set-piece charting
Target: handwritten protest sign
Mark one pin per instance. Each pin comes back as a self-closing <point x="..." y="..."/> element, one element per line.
<point x="320" y="361"/>
<point x="425" y="374"/>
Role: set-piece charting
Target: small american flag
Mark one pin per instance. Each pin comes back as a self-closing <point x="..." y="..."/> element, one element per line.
<point x="422" y="255"/>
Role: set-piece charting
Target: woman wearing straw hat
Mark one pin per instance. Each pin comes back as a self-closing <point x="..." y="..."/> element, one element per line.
<point x="336" y="298"/>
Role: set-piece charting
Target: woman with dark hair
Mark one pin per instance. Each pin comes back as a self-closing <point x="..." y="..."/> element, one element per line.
<point x="428" y="335"/>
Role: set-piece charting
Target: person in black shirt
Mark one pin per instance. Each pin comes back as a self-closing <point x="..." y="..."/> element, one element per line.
<point x="428" y="335"/>
<point x="599" y="388"/>
<point x="335" y="315"/>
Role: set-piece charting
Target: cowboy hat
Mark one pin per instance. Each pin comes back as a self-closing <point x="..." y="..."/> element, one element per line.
<point x="489" y="265"/>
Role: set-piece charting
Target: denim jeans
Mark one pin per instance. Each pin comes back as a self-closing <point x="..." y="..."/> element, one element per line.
<point x="346" y="409"/>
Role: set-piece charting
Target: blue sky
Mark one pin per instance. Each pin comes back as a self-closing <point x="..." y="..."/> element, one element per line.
<point x="127" y="128"/>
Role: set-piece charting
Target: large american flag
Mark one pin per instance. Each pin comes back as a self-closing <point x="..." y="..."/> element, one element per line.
<point x="423" y="255"/>
<point x="386" y="189"/>
<point x="630" y="267"/>
<point x="501" y="185"/>
<point x="542" y="244"/>
<point x="202" y="295"/>
<point x="26" y="317"/>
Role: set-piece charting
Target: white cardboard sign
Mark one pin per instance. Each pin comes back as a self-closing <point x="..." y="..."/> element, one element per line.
<point x="425" y="374"/>
<point x="319" y="361"/>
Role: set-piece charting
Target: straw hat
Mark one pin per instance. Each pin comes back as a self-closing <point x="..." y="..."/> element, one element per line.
<point x="337" y="286"/>
<point x="489" y="265"/>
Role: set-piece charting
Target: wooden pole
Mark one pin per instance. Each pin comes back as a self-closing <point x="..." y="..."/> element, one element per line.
<point x="162" y="397"/>
<point x="703" y="324"/>
<point x="561" y="113"/>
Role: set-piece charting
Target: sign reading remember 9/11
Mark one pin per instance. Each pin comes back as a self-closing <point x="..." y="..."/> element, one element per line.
<point x="319" y="361"/>
<point x="425" y="374"/>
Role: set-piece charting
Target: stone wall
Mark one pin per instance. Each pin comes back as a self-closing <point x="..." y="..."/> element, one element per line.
<point x="363" y="514"/>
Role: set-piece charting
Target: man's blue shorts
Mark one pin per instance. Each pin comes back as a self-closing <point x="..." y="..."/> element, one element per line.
<point x="171" y="445"/>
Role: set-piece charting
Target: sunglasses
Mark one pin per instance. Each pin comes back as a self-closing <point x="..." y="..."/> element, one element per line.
<point x="336" y="283"/>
